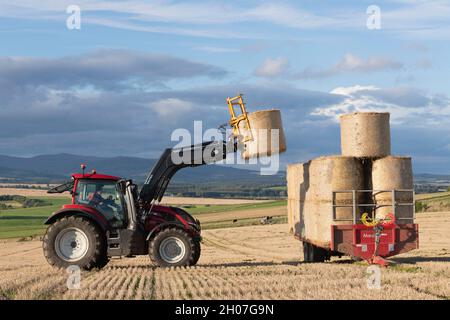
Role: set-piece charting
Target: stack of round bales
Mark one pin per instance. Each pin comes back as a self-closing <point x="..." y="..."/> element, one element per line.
<point x="367" y="135"/>
<point x="266" y="131"/>
<point x="365" y="164"/>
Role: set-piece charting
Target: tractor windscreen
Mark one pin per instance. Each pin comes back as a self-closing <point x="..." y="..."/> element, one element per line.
<point x="103" y="195"/>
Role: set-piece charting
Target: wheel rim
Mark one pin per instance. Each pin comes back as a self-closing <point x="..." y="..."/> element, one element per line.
<point x="172" y="250"/>
<point x="71" y="244"/>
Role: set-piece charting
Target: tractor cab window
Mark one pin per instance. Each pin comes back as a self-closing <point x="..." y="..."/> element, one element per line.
<point x="105" y="197"/>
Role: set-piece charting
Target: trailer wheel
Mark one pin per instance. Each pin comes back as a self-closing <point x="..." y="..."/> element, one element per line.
<point x="173" y="247"/>
<point x="75" y="241"/>
<point x="312" y="253"/>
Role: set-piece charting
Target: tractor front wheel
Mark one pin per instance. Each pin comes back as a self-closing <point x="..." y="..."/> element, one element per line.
<point x="198" y="250"/>
<point x="174" y="248"/>
<point x="75" y="241"/>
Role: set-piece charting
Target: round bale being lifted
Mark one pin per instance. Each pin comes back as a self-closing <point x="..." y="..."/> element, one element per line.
<point x="265" y="137"/>
<point x="365" y="134"/>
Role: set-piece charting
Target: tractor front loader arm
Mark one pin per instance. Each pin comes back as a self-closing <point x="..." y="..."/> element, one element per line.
<point x="174" y="159"/>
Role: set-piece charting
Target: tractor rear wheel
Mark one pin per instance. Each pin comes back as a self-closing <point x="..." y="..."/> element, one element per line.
<point x="75" y="241"/>
<point x="312" y="253"/>
<point x="173" y="247"/>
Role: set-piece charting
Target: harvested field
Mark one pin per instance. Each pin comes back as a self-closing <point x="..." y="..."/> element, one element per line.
<point x="31" y="193"/>
<point x="28" y="222"/>
<point x="29" y="185"/>
<point x="261" y="262"/>
<point x="432" y="196"/>
<point x="211" y="201"/>
<point x="242" y="214"/>
<point x="166" y="200"/>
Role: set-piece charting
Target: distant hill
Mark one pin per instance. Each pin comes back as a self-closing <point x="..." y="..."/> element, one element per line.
<point x="427" y="176"/>
<point x="59" y="167"/>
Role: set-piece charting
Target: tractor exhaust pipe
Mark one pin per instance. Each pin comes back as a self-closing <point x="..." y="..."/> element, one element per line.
<point x="131" y="207"/>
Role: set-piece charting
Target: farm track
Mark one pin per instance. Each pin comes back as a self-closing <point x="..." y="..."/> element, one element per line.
<point x="257" y="262"/>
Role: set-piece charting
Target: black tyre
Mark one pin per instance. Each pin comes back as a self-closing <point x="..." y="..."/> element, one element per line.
<point x="198" y="250"/>
<point x="173" y="247"/>
<point x="312" y="253"/>
<point x="75" y="241"/>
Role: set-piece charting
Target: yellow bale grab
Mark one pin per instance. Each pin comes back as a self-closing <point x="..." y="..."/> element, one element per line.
<point x="237" y="118"/>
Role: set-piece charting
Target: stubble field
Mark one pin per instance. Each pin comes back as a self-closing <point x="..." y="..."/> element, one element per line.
<point x="8" y="189"/>
<point x="255" y="262"/>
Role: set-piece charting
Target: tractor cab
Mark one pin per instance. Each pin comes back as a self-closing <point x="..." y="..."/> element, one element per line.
<point x="105" y="196"/>
<point x="102" y="193"/>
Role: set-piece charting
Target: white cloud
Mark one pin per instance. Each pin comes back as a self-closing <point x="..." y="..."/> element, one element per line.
<point x="347" y="91"/>
<point x="217" y="49"/>
<point x="272" y="67"/>
<point x="350" y="63"/>
<point x="423" y="64"/>
<point x="290" y="16"/>
<point x="106" y="68"/>
<point x="171" y="107"/>
<point x="433" y="110"/>
<point x="414" y="19"/>
<point x="193" y="12"/>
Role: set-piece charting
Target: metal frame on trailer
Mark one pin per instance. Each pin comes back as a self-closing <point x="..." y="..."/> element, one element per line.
<point x="394" y="204"/>
<point x="359" y="240"/>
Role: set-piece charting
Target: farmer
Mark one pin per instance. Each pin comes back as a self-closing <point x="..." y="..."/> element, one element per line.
<point x="96" y="198"/>
<point x="107" y="206"/>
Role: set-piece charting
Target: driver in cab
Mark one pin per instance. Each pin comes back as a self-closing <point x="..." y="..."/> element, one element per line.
<point x="96" y="198"/>
<point x="106" y="206"/>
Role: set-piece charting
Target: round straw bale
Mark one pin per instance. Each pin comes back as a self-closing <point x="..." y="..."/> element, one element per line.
<point x="393" y="173"/>
<point x="267" y="134"/>
<point x="336" y="173"/>
<point x="297" y="185"/>
<point x="365" y="134"/>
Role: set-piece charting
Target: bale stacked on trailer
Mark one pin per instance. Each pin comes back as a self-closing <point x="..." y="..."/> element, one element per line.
<point x="393" y="173"/>
<point x="365" y="164"/>
<point x="297" y="184"/>
<point x="327" y="174"/>
<point x="365" y="135"/>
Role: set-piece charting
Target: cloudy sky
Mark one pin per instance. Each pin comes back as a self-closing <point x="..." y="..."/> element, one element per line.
<point x="135" y="71"/>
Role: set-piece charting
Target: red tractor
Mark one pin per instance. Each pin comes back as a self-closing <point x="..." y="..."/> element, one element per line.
<point x="108" y="216"/>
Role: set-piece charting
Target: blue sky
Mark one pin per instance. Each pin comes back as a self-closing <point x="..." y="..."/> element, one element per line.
<point x="137" y="70"/>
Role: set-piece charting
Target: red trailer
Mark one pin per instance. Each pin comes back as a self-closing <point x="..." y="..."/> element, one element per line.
<point x="365" y="236"/>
